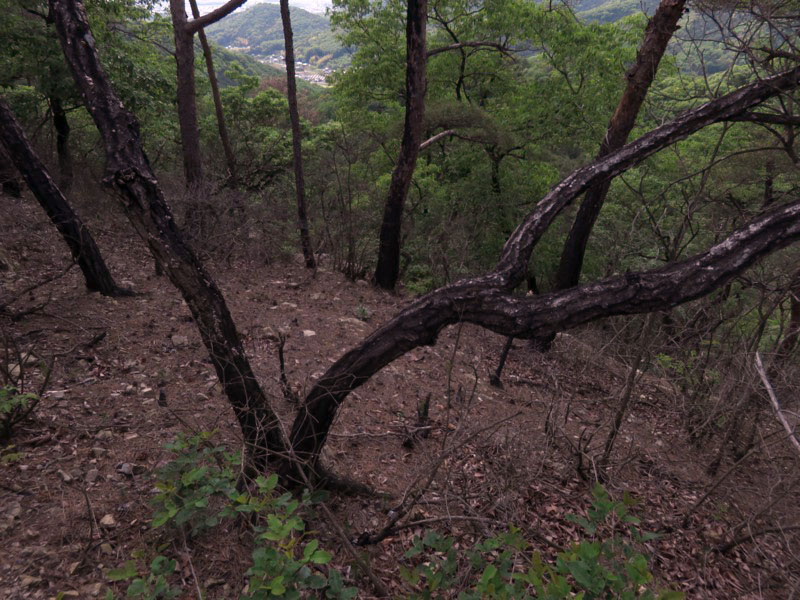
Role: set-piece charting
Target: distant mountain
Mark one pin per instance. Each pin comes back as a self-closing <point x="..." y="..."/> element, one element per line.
<point x="258" y="31"/>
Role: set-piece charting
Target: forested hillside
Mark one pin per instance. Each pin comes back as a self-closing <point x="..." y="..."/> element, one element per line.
<point x="508" y="308"/>
<point x="257" y="31"/>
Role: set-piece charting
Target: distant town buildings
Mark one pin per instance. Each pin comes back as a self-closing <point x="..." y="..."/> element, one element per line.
<point x="303" y="70"/>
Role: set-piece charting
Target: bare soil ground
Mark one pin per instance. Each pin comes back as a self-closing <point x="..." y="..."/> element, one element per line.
<point x="90" y="449"/>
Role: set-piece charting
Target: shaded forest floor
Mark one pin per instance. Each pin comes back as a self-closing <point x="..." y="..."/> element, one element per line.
<point x="89" y="451"/>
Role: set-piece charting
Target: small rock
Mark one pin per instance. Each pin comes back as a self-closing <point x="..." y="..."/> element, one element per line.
<point x="125" y="469"/>
<point x="108" y="521"/>
<point x="362" y="283"/>
<point x="30" y="580"/>
<point x="92" y="475"/>
<point x="309" y="333"/>
<point x="179" y="340"/>
<point x="98" y="452"/>
<point x="106" y="548"/>
<point x="30" y="360"/>
<point x="65" y="477"/>
<point x="129" y="389"/>
<point x="57" y="394"/>
<point x="93" y="589"/>
<point x="104" y="434"/>
<point x="351" y="321"/>
<point x="316" y="296"/>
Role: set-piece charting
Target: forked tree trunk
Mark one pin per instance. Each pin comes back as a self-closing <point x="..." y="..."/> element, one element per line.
<point x="220" y="113"/>
<point x="77" y="237"/>
<point x="187" y="97"/>
<point x="297" y="143"/>
<point x="488" y="300"/>
<point x="640" y="76"/>
<point x="128" y="174"/>
<point x="183" y="32"/>
<point x="388" y="268"/>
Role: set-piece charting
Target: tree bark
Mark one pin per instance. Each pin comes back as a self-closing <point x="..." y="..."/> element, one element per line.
<point x="487" y="300"/>
<point x="77" y="237"/>
<point x="388" y="268"/>
<point x="183" y="31"/>
<point x="640" y="76"/>
<point x="220" y="113"/>
<point x="297" y="143"/>
<point x="61" y="125"/>
<point x="129" y="175"/>
<point x="187" y="96"/>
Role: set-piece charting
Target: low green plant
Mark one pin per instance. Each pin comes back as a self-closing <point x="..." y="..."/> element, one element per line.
<point x="15" y="406"/>
<point x="153" y="586"/>
<point x="198" y="489"/>
<point x="608" y="563"/>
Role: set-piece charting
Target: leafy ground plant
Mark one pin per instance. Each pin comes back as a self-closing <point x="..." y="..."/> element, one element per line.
<point x="197" y="490"/>
<point x="607" y="563"/>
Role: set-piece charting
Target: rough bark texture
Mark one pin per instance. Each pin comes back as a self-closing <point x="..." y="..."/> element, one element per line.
<point x="129" y="175"/>
<point x="388" y="269"/>
<point x="187" y="103"/>
<point x="297" y="143"/>
<point x="488" y="301"/>
<point x="657" y="35"/>
<point x="183" y="31"/>
<point x="220" y="113"/>
<point x="80" y="241"/>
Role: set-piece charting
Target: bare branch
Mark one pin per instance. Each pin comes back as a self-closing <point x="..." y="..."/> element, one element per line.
<point x="775" y="404"/>
<point x="207" y="19"/>
<point x="459" y="45"/>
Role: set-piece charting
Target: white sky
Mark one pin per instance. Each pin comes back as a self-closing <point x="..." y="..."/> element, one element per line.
<point x="314" y="6"/>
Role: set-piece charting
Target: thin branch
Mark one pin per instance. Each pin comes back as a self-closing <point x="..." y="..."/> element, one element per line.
<point x="207" y="19"/>
<point x="459" y="45"/>
<point x="775" y="405"/>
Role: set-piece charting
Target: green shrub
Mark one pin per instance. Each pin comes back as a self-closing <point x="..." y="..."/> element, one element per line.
<point x="502" y="567"/>
<point x="198" y="489"/>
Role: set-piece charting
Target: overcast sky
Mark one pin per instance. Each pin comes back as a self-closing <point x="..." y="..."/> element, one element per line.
<point x="315" y="6"/>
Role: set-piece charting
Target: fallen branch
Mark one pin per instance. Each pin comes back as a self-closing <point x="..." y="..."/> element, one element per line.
<point x="775" y="404"/>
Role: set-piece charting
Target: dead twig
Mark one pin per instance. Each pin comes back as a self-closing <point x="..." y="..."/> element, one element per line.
<point x="406" y="504"/>
<point x="776" y="405"/>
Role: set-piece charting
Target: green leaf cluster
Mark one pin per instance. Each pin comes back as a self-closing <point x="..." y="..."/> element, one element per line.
<point x="607" y="563"/>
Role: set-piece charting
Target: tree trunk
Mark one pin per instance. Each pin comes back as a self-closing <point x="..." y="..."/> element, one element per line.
<point x="640" y="76"/>
<point x="388" y="268"/>
<point x="297" y="145"/>
<point x="8" y="175"/>
<point x="128" y="174"/>
<point x="212" y="79"/>
<point x="80" y="241"/>
<point x="187" y="102"/>
<point x="487" y="300"/>
<point x="61" y="125"/>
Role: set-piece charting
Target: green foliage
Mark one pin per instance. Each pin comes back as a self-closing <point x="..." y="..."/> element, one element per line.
<point x="153" y="586"/>
<point x="15" y="406"/>
<point x="608" y="563"/>
<point x="198" y="489"/>
<point x="259" y="30"/>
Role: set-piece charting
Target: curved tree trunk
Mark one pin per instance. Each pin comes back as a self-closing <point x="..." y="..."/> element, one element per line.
<point x="388" y="269"/>
<point x="80" y="241"/>
<point x="640" y="76"/>
<point x="297" y="142"/>
<point x="488" y="300"/>
<point x="129" y="175"/>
